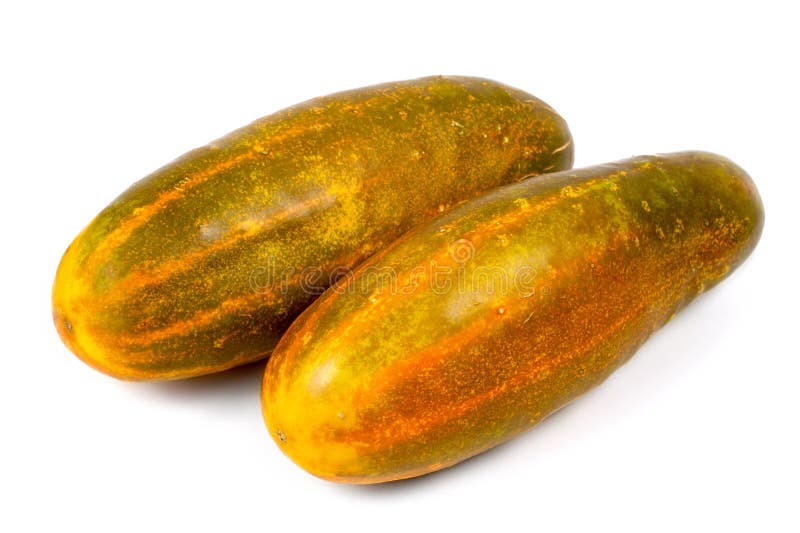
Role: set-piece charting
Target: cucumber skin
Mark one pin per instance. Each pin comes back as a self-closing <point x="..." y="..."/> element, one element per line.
<point x="374" y="383"/>
<point x="183" y="274"/>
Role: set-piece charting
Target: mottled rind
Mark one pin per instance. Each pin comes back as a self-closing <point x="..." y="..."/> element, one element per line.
<point x="395" y="373"/>
<point x="202" y="265"/>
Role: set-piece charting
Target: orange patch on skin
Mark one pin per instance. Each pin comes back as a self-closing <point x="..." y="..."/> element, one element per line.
<point x="419" y="425"/>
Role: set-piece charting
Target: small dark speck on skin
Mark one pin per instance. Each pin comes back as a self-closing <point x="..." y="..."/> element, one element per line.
<point x="281" y="436"/>
<point x="68" y="325"/>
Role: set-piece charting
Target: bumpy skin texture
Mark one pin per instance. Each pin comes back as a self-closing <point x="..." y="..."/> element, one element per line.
<point x="202" y="265"/>
<point x="399" y="371"/>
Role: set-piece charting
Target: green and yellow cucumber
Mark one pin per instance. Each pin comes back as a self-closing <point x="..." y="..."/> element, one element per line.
<point x="473" y="327"/>
<point x="203" y="264"/>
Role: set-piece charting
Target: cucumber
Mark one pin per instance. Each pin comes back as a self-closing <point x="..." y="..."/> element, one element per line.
<point x="202" y="265"/>
<point x="472" y="328"/>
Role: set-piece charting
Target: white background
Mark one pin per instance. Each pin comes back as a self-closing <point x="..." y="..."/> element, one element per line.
<point x="698" y="431"/>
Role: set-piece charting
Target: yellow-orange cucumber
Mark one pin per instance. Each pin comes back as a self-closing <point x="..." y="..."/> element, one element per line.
<point x="473" y="327"/>
<point x="203" y="264"/>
